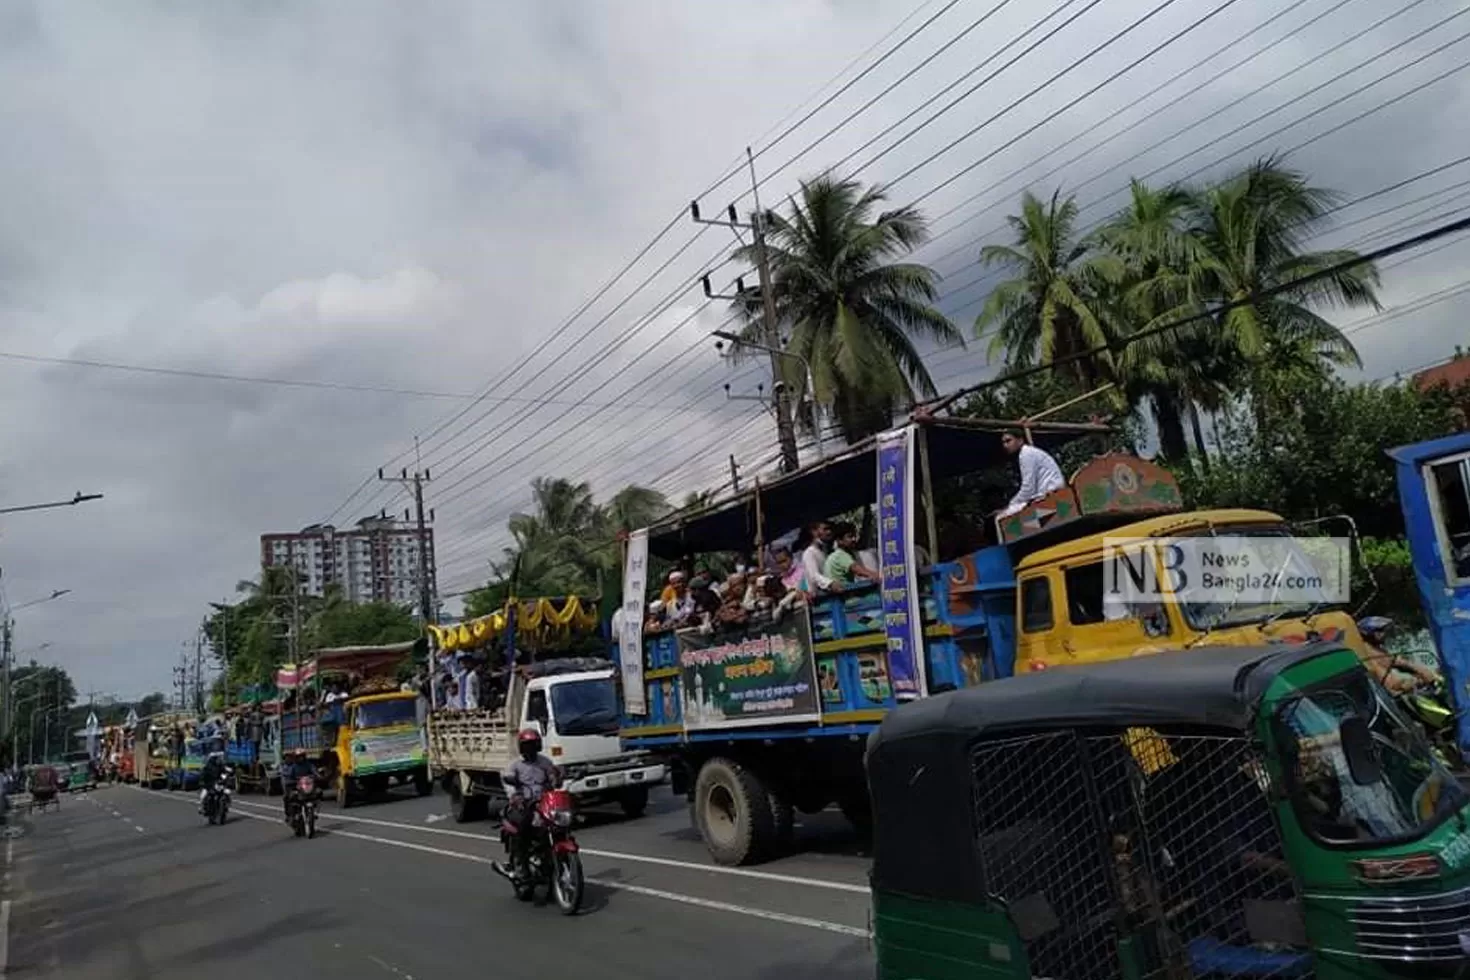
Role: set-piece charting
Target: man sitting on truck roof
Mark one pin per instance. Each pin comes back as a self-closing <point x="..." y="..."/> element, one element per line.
<point x="1040" y="474"/>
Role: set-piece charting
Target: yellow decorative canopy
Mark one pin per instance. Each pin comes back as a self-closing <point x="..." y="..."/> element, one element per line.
<point x="536" y="619"/>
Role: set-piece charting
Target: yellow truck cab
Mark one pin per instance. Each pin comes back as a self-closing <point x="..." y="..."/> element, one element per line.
<point x="379" y="741"/>
<point x="1064" y="615"/>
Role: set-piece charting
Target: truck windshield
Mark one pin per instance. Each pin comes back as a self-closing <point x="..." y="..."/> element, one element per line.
<point x="1271" y="550"/>
<point x="1412" y="792"/>
<point x="585" y="707"/>
<point x="382" y="714"/>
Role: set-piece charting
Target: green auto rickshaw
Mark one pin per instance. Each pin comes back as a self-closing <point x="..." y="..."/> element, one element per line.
<point x="1219" y="812"/>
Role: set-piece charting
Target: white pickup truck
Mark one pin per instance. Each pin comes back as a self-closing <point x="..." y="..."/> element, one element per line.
<point x="574" y="704"/>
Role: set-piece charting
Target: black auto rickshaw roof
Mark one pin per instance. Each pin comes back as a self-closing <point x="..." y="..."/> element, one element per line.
<point x="919" y="759"/>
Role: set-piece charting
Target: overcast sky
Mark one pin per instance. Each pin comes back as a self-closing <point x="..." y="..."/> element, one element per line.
<point x="415" y="196"/>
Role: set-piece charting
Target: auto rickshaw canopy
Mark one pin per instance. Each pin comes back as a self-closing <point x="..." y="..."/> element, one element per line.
<point x="919" y="760"/>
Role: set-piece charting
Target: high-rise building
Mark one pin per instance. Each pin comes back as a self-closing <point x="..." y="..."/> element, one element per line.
<point x="376" y="561"/>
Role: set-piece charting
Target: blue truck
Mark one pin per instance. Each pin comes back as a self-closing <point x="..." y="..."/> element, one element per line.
<point x="1434" y="492"/>
<point x="771" y="719"/>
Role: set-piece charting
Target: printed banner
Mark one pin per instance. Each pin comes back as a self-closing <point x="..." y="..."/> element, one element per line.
<point x="630" y="635"/>
<point x="387" y="753"/>
<point x="902" y="619"/>
<point x="751" y="676"/>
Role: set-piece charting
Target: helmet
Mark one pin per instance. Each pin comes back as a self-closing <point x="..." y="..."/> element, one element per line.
<point x="529" y="742"/>
<point x="1374" y="627"/>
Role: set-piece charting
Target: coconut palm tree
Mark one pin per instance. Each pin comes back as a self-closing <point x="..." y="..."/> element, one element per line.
<point x="1055" y="303"/>
<point x="852" y="306"/>
<point x="1252" y="233"/>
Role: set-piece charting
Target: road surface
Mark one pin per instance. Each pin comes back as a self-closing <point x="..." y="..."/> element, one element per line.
<point x="132" y="884"/>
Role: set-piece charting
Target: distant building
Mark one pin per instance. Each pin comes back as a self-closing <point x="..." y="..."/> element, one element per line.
<point x="1453" y="373"/>
<point x="376" y="561"/>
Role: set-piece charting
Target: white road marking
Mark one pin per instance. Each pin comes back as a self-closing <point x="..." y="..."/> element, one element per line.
<point x="706" y="903"/>
<point x="841" y="886"/>
<point x="138" y="829"/>
<point x="4" y="937"/>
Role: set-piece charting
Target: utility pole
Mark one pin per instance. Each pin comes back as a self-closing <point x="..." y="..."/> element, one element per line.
<point x="199" y="672"/>
<point x="6" y="628"/>
<point x="785" y="427"/>
<point x="734" y="474"/>
<point x="426" y="588"/>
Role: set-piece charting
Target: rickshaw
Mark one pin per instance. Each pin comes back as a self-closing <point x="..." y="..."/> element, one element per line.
<point x="45" y="787"/>
<point x="1221" y="812"/>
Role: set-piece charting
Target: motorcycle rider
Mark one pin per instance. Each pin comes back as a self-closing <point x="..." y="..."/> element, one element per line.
<point x="293" y="767"/>
<point x="1383" y="665"/>
<point x="213" y="769"/>
<point x="528" y="777"/>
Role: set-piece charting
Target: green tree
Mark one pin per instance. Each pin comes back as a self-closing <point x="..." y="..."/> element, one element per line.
<point x="1252" y="232"/>
<point x="852" y="306"/>
<point x="1056" y="303"/>
<point x="43" y="697"/>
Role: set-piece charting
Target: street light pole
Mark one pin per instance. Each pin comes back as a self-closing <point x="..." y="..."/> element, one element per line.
<point x="80" y="498"/>
<point x="811" y="385"/>
<point x="7" y="636"/>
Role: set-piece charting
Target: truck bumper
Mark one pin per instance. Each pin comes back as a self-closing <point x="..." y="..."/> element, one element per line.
<point x="607" y="785"/>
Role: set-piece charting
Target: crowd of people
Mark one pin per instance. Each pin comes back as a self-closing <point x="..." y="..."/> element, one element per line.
<point x="824" y="558"/>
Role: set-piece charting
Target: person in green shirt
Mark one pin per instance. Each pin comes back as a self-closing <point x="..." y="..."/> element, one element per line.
<point x="841" y="565"/>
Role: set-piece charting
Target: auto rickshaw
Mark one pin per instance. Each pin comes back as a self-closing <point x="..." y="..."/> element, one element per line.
<point x="1221" y="812"/>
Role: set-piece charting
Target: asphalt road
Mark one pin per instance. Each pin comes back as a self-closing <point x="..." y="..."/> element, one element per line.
<point x="130" y="883"/>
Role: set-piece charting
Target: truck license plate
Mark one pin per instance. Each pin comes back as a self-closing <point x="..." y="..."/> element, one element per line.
<point x="616" y="779"/>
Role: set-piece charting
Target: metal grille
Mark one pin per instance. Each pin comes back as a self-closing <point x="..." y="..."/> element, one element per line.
<point x="1422" y="929"/>
<point x="1043" y="851"/>
<point x="1158" y="849"/>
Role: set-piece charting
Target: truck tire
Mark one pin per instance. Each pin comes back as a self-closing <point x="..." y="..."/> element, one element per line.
<point x="634" y="801"/>
<point x="465" y="809"/>
<point x="783" y="823"/>
<point x="422" y="784"/>
<point x="347" y="792"/>
<point x="733" y="813"/>
<point x="858" y="810"/>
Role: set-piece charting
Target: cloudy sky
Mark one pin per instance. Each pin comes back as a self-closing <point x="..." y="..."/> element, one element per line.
<point x="408" y="201"/>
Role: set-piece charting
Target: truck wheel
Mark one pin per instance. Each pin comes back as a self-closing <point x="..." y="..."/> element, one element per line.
<point x="783" y="820"/>
<point x="858" y="810"/>
<point x="634" y="801"/>
<point x="422" y="784"/>
<point x="733" y="813"/>
<point x="346" y="791"/>
<point x="273" y="788"/>
<point x="465" y="809"/>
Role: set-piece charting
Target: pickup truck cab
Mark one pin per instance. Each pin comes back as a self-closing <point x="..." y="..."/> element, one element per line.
<point x="573" y="702"/>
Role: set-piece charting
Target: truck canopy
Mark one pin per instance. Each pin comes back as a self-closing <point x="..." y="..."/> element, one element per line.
<point x="846" y="481"/>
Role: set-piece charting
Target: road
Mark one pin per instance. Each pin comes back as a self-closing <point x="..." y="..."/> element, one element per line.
<point x="131" y="884"/>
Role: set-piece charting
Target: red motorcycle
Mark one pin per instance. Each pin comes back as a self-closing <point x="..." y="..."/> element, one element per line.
<point x="552" y="857"/>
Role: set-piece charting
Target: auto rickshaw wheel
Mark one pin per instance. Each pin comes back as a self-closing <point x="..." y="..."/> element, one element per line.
<point x="733" y="812"/>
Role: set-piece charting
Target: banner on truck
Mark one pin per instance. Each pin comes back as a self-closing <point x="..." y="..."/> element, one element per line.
<point x="630" y="632"/>
<point x="750" y="676"/>
<point x="902" y="617"/>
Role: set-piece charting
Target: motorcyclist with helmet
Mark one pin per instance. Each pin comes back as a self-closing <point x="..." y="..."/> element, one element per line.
<point x="527" y="778"/>
<point x="211" y="771"/>
<point x="1384" y="665"/>
<point x="293" y="767"/>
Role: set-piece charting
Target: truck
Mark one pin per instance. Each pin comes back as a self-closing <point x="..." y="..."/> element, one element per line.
<point x="573" y="703"/>
<point x="368" y="738"/>
<point x="1433" y="480"/>
<point x="770" y="719"/>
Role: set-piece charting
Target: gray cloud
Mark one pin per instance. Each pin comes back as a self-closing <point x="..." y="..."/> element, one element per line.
<point x="377" y="194"/>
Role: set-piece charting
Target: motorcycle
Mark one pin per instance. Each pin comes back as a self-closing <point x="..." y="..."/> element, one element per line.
<point x="1426" y="703"/>
<point x="552" y="856"/>
<point x="217" y="798"/>
<point x="304" y="807"/>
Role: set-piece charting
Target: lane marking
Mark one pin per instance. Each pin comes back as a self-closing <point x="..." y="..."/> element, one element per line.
<point x="138" y="829"/>
<point x="706" y="903"/>
<point x="840" y="886"/>
<point x="4" y="937"/>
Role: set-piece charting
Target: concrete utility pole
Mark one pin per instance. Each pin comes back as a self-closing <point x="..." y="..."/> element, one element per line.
<point x="427" y="591"/>
<point x="785" y="427"/>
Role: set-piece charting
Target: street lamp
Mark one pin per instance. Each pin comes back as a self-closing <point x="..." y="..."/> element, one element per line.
<point x="80" y="498"/>
<point x="811" y="386"/>
<point x="7" y="630"/>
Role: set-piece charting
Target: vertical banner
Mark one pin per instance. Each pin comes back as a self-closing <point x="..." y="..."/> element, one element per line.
<point x="902" y="619"/>
<point x="630" y="636"/>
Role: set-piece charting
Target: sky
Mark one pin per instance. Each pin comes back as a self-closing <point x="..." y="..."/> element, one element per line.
<point x="404" y="206"/>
